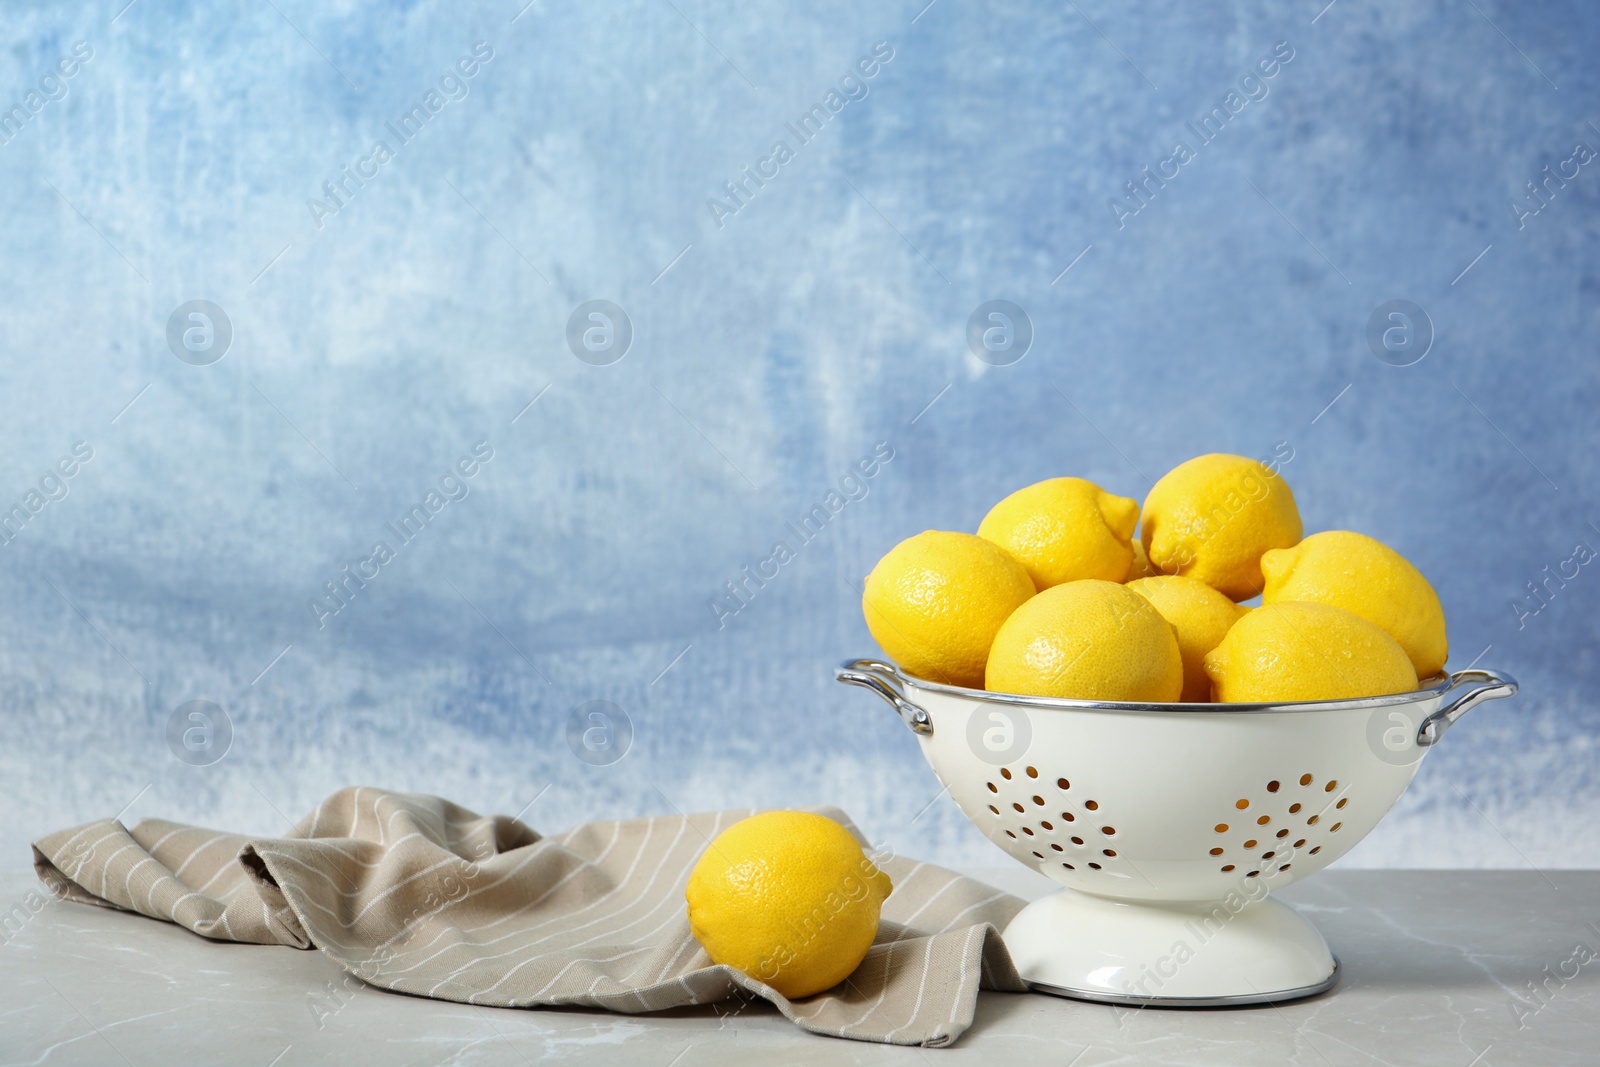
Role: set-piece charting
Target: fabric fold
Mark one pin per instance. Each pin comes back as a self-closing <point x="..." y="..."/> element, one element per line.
<point x="418" y="895"/>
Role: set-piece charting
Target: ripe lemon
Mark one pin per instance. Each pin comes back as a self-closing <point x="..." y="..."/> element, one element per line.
<point x="1064" y="530"/>
<point x="1200" y="617"/>
<point x="1140" y="568"/>
<point x="1357" y="573"/>
<point x="1212" y="517"/>
<point x="1292" y="651"/>
<point x="1088" y="640"/>
<point x="936" y="600"/>
<point x="788" y="898"/>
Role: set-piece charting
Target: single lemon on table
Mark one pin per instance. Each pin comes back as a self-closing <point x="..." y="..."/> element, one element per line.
<point x="789" y="898"/>
<point x="1088" y="640"/>
<point x="1140" y="567"/>
<point x="1366" y="576"/>
<point x="1064" y="530"/>
<point x="936" y="600"/>
<point x="1212" y="517"/>
<point x="1292" y="651"/>
<point x="1200" y="616"/>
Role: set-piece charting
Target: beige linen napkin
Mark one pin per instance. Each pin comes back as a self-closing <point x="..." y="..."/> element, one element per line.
<point x="416" y="894"/>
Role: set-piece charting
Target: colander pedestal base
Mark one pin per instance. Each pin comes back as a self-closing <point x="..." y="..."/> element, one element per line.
<point x="1180" y="955"/>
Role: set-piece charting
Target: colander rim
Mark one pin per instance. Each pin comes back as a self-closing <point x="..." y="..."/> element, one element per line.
<point x="1435" y="686"/>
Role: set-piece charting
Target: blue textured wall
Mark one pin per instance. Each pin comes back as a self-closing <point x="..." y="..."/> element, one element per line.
<point x="379" y="334"/>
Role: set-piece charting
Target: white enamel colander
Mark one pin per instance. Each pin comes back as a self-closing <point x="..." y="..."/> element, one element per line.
<point x="1167" y="825"/>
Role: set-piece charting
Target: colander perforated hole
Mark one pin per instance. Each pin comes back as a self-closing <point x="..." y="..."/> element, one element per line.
<point x="1300" y="843"/>
<point x="1222" y="827"/>
<point x="1046" y="825"/>
<point x="1283" y="833"/>
<point x="1263" y="820"/>
<point x="1077" y="840"/>
<point x="1342" y="803"/>
<point x="1019" y="807"/>
<point x="1305" y="779"/>
<point x="992" y="787"/>
<point x="1293" y="808"/>
<point x="994" y="809"/>
<point x="1227" y="867"/>
<point x="1095" y="867"/>
<point x="1038" y="855"/>
<point x="1272" y="787"/>
<point x="1333" y="783"/>
<point x="1241" y="803"/>
<point x="1069" y="866"/>
<point x="1250" y="843"/>
<point x="1313" y="820"/>
<point x="1091" y="805"/>
<point x="1316" y="850"/>
<point x="1028" y="830"/>
<point x="1108" y="852"/>
<point x="1010" y="834"/>
<point x="1285" y="867"/>
<point x="1005" y="772"/>
<point x="1069" y="817"/>
<point x="1253" y="874"/>
<point x="1058" y="848"/>
<point x="1062" y="783"/>
<point x="1033" y="772"/>
<point x="1268" y="855"/>
<point x="1216" y="852"/>
<point x="1109" y="831"/>
<point x="1335" y="827"/>
<point x="1039" y="801"/>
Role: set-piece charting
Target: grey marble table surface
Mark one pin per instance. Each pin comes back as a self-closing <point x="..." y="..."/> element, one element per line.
<point x="1458" y="968"/>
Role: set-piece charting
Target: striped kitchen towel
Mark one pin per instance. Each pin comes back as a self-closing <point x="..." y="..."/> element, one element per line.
<point x="415" y="894"/>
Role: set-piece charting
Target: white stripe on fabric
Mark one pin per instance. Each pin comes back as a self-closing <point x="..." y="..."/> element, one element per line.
<point x="962" y="978"/>
<point x="105" y="868"/>
<point x="925" y="903"/>
<point x="888" y="980"/>
<point x="164" y="838"/>
<point x="561" y="973"/>
<point x="562" y="919"/>
<point x="577" y="870"/>
<point x="403" y="882"/>
<point x="922" y="986"/>
<point x="970" y="907"/>
<point x="199" y="849"/>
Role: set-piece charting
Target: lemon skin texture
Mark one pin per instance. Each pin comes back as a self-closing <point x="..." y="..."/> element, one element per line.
<point x="1213" y="516"/>
<point x="935" y="601"/>
<point x="1087" y="640"/>
<point x="1292" y="651"/>
<point x="1065" y="530"/>
<point x="789" y="898"/>
<point x="1361" y="574"/>
<point x="1200" y="616"/>
<point x="1140" y="568"/>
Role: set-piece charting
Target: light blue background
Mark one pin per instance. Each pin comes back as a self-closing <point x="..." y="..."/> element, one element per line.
<point x="821" y="319"/>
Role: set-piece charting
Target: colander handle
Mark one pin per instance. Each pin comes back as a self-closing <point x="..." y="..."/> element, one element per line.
<point x="884" y="679"/>
<point x="1466" y="691"/>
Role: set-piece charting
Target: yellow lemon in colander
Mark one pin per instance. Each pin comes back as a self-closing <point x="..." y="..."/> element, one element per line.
<point x="1065" y="529"/>
<point x="1292" y="651"/>
<point x="1213" y="516"/>
<point x="1366" y="576"/>
<point x="936" y="600"/>
<point x="789" y="898"/>
<point x="1140" y="567"/>
<point x="1088" y="640"/>
<point x="1200" y="616"/>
